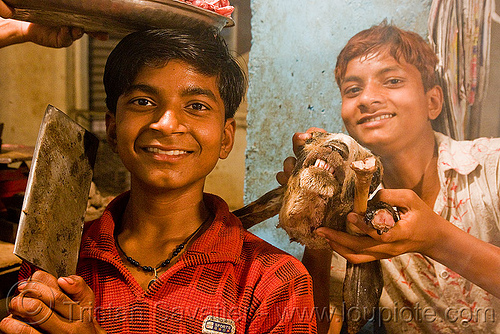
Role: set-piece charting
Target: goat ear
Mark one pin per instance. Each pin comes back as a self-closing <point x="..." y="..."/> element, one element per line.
<point x="377" y="176"/>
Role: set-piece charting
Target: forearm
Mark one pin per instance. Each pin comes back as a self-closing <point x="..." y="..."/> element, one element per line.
<point x="317" y="262"/>
<point x="474" y="259"/>
<point x="11" y="32"/>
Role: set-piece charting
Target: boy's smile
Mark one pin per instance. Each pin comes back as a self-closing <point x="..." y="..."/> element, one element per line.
<point x="170" y="128"/>
<point x="384" y="105"/>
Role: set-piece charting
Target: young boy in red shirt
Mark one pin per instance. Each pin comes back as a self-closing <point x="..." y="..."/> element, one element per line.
<point x="166" y="257"/>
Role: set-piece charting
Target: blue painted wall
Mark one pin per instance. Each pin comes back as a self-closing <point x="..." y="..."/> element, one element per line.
<point x="295" y="44"/>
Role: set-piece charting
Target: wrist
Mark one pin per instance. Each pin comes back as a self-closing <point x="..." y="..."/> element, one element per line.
<point x="444" y="240"/>
<point x="13" y="32"/>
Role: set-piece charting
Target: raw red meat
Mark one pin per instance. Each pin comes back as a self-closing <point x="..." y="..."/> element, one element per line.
<point x="221" y="7"/>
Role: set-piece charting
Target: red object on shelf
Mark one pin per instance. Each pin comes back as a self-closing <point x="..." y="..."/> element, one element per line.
<point x="3" y="209"/>
<point x="13" y="181"/>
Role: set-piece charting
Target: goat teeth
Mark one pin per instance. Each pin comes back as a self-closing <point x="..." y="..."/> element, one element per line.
<point x="323" y="165"/>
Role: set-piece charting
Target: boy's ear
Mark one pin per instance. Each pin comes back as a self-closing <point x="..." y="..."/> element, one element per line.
<point x="111" y="130"/>
<point x="228" y="138"/>
<point x="435" y="100"/>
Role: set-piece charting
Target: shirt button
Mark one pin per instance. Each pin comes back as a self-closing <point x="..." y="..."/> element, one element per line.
<point x="444" y="274"/>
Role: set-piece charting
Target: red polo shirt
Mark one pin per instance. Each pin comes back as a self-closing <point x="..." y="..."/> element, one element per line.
<point x="227" y="281"/>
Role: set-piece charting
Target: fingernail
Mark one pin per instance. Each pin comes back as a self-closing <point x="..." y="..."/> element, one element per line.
<point x="306" y="135"/>
<point x="319" y="233"/>
<point x="21" y="286"/>
<point x="69" y="280"/>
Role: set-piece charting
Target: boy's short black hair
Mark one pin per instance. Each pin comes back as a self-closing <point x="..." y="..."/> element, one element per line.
<point x="202" y="48"/>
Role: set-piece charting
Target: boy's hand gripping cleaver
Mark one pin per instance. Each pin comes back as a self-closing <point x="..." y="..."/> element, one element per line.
<point x="51" y="222"/>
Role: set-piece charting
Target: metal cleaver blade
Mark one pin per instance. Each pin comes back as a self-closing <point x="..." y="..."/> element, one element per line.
<point x="55" y="202"/>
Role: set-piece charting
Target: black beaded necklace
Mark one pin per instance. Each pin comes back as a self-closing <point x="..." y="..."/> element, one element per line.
<point x="167" y="261"/>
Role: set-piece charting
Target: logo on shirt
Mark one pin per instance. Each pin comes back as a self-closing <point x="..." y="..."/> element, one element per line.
<point x="215" y="325"/>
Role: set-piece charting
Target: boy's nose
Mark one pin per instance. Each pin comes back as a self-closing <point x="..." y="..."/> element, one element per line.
<point x="167" y="121"/>
<point x="370" y="96"/>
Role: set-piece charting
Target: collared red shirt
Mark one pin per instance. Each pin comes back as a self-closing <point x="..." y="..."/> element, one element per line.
<point x="421" y="295"/>
<point x="227" y="281"/>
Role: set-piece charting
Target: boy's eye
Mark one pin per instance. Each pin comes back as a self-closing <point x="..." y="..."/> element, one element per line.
<point x="394" y="81"/>
<point x="198" y="106"/>
<point x="142" y="102"/>
<point x="352" y="91"/>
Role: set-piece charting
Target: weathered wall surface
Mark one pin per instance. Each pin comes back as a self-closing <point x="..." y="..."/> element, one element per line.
<point x="294" y="48"/>
<point x="31" y="77"/>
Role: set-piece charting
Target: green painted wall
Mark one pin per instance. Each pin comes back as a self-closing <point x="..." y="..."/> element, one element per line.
<point x="294" y="49"/>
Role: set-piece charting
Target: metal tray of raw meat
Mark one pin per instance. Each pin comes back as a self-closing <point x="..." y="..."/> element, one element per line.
<point x="117" y="17"/>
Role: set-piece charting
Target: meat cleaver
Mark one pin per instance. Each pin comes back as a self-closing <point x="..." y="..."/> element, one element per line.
<point x="52" y="216"/>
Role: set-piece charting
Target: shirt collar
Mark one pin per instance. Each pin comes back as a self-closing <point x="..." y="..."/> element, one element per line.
<point x="455" y="155"/>
<point x="221" y="242"/>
